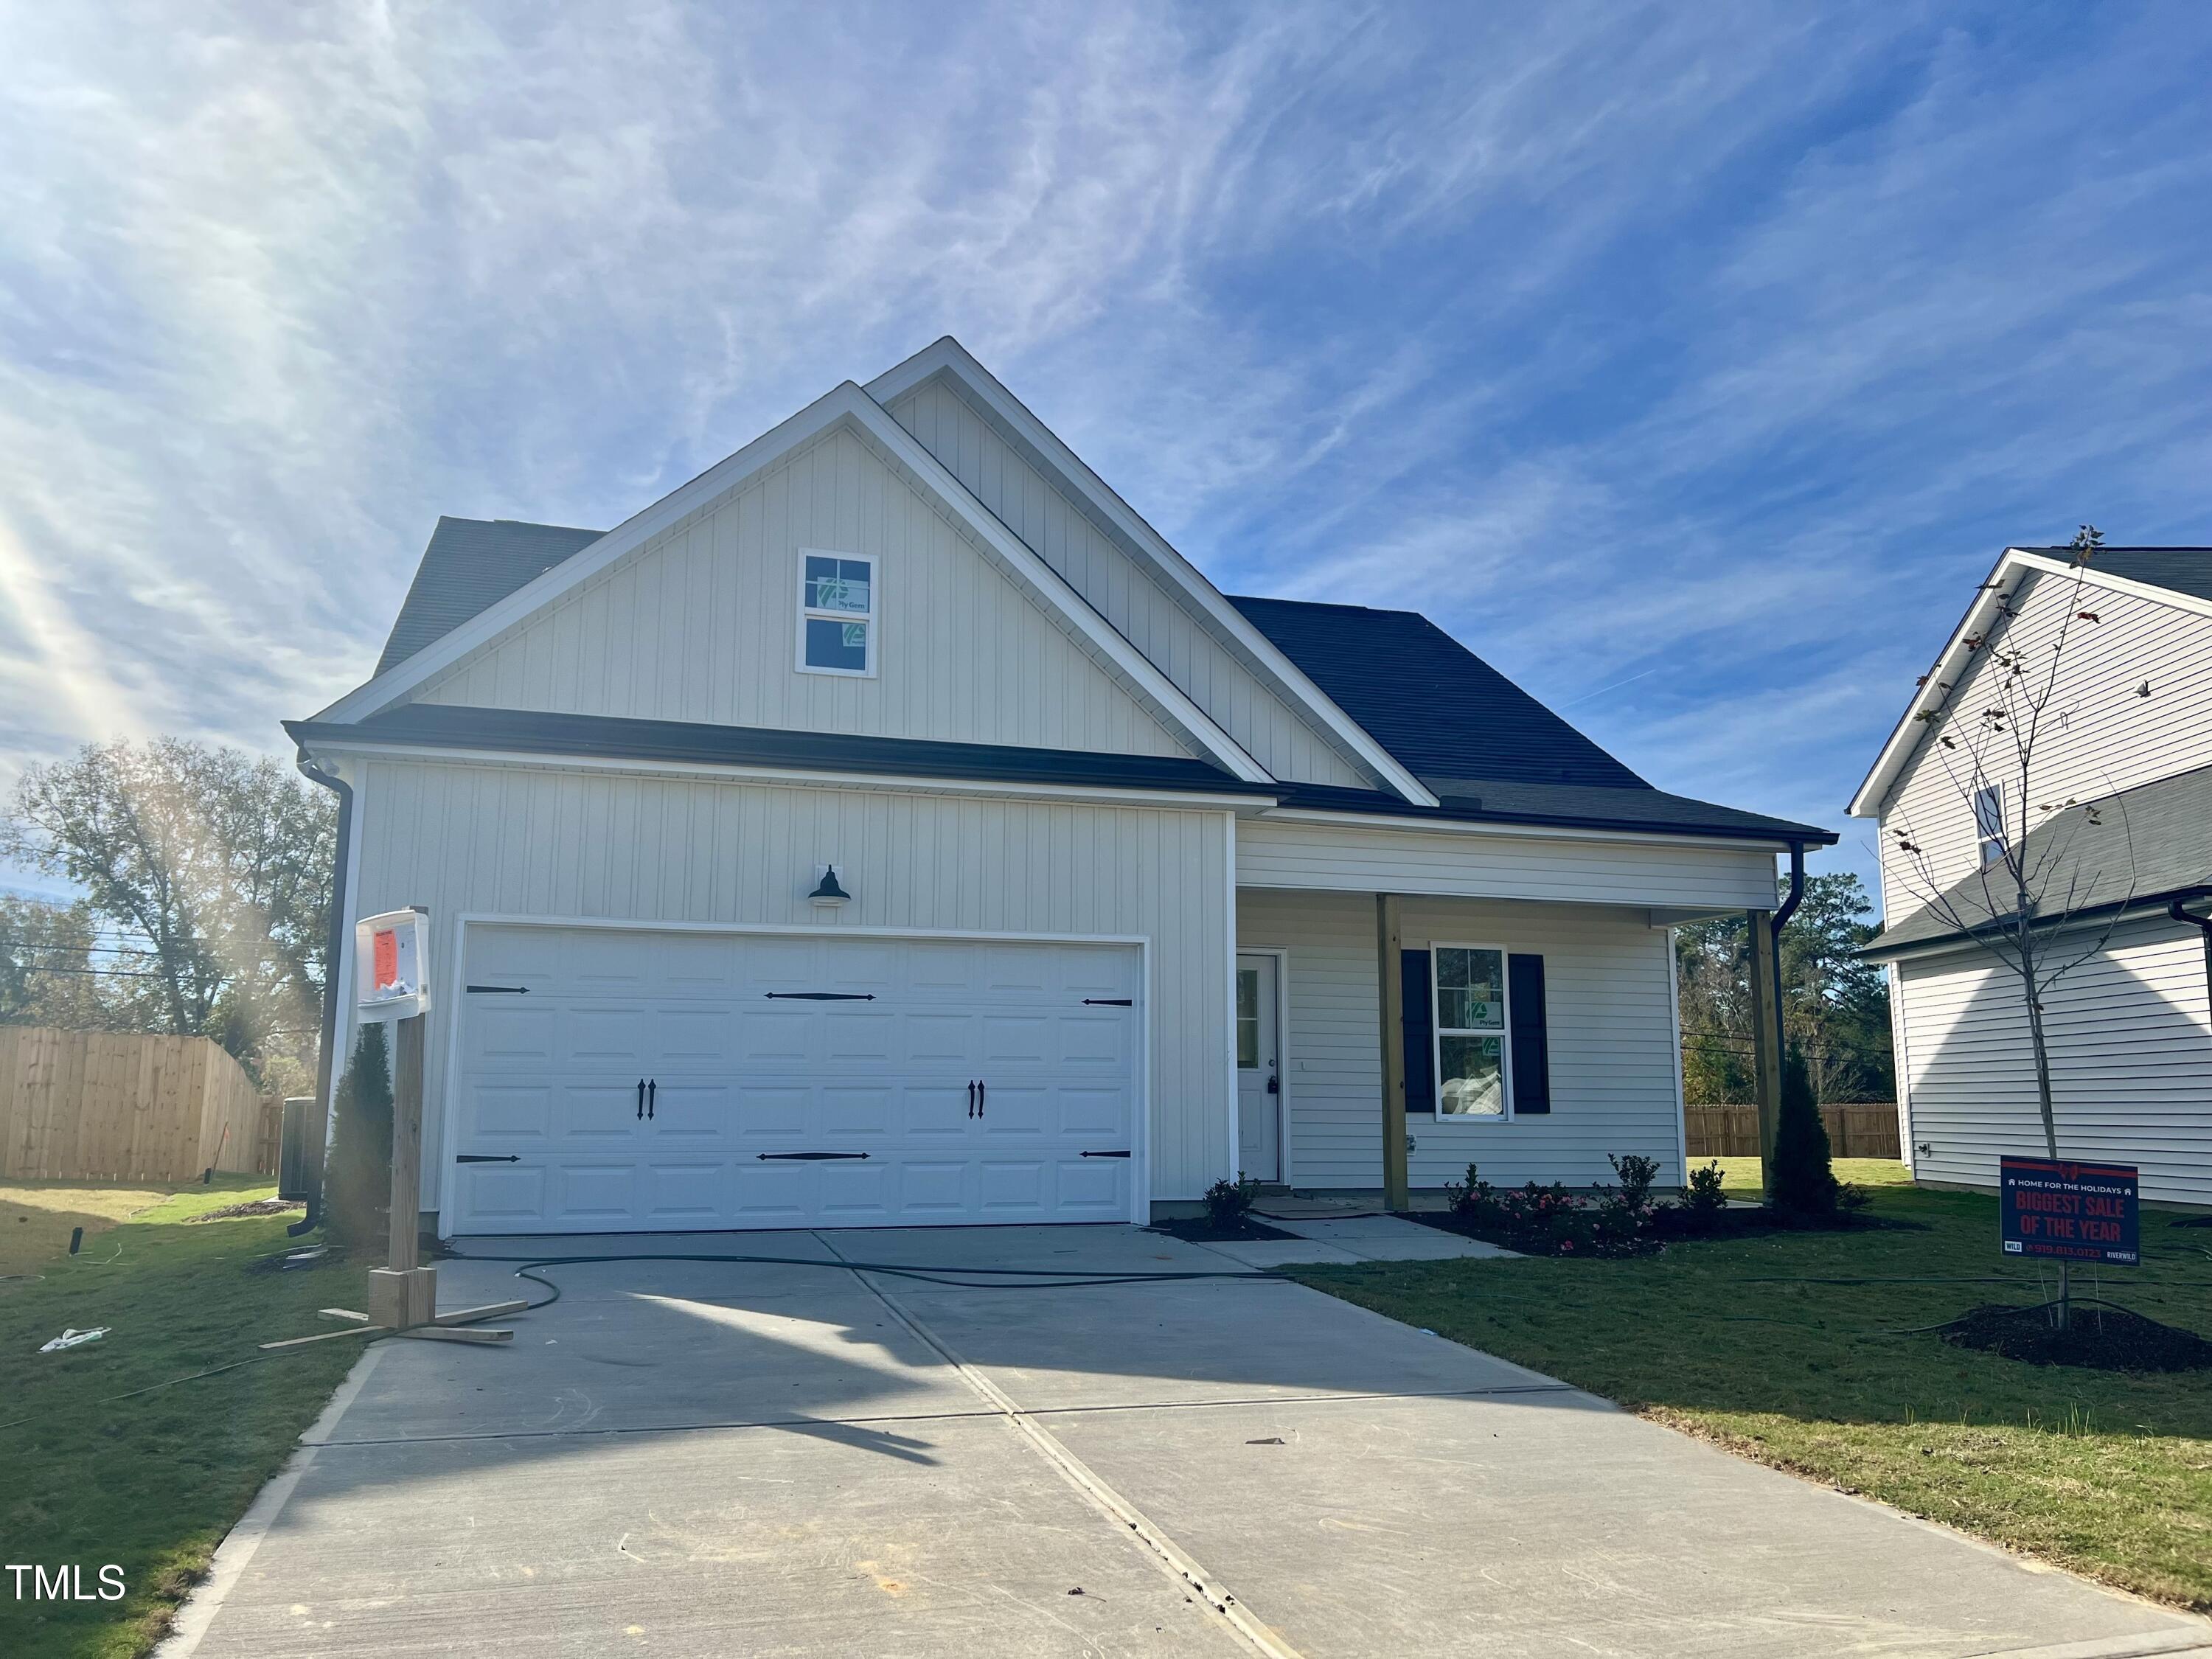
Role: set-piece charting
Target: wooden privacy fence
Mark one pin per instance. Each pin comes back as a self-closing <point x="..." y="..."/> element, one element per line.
<point x="1862" y="1130"/>
<point x="126" y="1106"/>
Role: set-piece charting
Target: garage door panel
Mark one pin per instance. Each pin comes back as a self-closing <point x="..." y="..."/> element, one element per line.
<point x="737" y="1074"/>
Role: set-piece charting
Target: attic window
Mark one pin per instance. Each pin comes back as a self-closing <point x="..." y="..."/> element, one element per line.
<point x="837" y="614"/>
<point x="1988" y="822"/>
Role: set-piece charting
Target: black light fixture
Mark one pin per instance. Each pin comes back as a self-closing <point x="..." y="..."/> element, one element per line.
<point x="827" y="893"/>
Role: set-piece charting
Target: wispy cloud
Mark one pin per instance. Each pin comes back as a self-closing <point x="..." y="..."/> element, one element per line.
<point x="1702" y="355"/>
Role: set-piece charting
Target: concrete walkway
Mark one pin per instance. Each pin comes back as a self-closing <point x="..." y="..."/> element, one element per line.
<point x="794" y="1457"/>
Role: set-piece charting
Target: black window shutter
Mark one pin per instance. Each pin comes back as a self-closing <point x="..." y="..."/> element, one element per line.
<point x="1417" y="1023"/>
<point x="1532" y="1044"/>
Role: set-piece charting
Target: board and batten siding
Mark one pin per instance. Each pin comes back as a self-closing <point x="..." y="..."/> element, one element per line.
<point x="518" y="842"/>
<point x="2130" y="1040"/>
<point x="701" y="624"/>
<point x="1610" y="1017"/>
<point x="1280" y="737"/>
<point x="2102" y="735"/>
<point x="1272" y="853"/>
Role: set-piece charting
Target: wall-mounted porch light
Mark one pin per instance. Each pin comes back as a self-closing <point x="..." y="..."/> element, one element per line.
<point x="827" y="894"/>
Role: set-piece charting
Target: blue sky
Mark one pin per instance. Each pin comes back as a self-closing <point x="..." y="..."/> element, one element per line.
<point x="1689" y="363"/>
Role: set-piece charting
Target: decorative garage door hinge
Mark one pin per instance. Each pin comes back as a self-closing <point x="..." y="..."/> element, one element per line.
<point x="487" y="1157"/>
<point x="804" y="1157"/>
<point x="822" y="996"/>
<point x="1109" y="1002"/>
<point x="1121" y="1152"/>
<point x="500" y="990"/>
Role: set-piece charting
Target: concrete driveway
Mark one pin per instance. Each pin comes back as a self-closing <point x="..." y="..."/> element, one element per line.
<point x="718" y="1459"/>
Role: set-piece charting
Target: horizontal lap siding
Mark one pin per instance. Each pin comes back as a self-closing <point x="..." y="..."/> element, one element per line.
<point x="519" y="842"/>
<point x="1341" y="857"/>
<point x="1276" y="734"/>
<point x="1611" y="1025"/>
<point x="702" y="625"/>
<point x="2109" y="738"/>
<point x="2130" y="1040"/>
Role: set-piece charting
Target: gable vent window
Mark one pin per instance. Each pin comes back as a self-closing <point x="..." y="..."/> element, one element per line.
<point x="837" y="619"/>
<point x="1988" y="822"/>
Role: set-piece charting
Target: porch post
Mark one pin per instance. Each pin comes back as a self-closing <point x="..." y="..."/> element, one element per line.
<point x="1766" y="1034"/>
<point x="1391" y="1001"/>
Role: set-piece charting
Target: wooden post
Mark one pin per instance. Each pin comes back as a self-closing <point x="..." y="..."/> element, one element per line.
<point x="405" y="1292"/>
<point x="1391" y="1000"/>
<point x="1765" y="1035"/>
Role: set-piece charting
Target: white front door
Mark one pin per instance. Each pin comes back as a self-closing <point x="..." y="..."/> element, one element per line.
<point x="616" y="1078"/>
<point x="1259" y="1072"/>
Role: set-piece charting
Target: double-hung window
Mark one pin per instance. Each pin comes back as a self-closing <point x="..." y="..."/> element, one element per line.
<point x="1470" y="1031"/>
<point x="1988" y="822"/>
<point x="837" y="619"/>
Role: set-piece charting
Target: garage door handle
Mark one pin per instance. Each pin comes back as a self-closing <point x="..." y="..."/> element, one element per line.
<point x="489" y="1157"/>
<point x="652" y="1094"/>
<point x="982" y="1093"/>
<point x="804" y="1158"/>
<point x="971" y="1099"/>
<point x="640" y="1100"/>
<point x="1124" y="1152"/>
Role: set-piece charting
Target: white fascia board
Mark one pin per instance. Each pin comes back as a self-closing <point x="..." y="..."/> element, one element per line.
<point x="1521" y="831"/>
<point x="390" y="687"/>
<point x="2004" y="581"/>
<point x="846" y="403"/>
<point x="369" y="747"/>
<point x="948" y="357"/>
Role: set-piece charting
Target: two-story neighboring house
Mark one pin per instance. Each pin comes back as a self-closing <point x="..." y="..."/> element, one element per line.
<point x="889" y="827"/>
<point x="2123" y="874"/>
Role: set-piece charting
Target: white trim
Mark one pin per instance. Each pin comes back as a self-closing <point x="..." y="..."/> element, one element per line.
<point x="1526" y="831"/>
<point x="1900" y="1059"/>
<point x="846" y="403"/>
<point x="1681" y="1098"/>
<point x="871" y="620"/>
<point x="1229" y="924"/>
<point x="1140" y="1126"/>
<point x="2003" y="583"/>
<point x="948" y="357"/>
<point x="1505" y="1036"/>
<point x="782" y="777"/>
<point x="1282" y="960"/>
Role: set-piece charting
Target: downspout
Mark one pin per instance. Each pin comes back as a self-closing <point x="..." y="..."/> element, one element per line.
<point x="1777" y="921"/>
<point x="333" y="951"/>
<point x="2173" y="908"/>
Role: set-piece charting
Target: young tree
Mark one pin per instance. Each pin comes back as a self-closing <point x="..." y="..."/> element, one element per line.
<point x="2041" y="861"/>
<point x="213" y="869"/>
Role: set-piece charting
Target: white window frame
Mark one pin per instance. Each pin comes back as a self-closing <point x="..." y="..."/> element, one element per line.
<point x="1990" y="826"/>
<point x="1436" y="1034"/>
<point x="873" y="616"/>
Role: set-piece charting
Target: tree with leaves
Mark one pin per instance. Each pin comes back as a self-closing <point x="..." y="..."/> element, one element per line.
<point x="207" y="871"/>
<point x="2040" y="860"/>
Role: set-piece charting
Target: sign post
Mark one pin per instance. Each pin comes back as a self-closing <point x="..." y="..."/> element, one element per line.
<point x="392" y="958"/>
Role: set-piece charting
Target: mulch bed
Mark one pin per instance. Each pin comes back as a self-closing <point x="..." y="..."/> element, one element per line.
<point x="2104" y="1338"/>
<point x="258" y="1206"/>
<point x="1668" y="1226"/>
<point x="1198" y="1230"/>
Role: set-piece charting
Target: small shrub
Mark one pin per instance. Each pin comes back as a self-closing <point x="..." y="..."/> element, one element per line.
<point x="357" y="1185"/>
<point x="1706" y="1197"/>
<point x="1801" y="1182"/>
<point x="1228" y="1202"/>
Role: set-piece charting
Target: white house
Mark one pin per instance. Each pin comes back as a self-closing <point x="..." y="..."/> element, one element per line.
<point x="2125" y="873"/>
<point x="1130" y="871"/>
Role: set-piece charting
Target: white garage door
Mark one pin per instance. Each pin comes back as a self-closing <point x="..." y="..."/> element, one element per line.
<point x="613" y="1079"/>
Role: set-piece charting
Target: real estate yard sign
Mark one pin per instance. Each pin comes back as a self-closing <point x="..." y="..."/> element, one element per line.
<point x="2050" y="1208"/>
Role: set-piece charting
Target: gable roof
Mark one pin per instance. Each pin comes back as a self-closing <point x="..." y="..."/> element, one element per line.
<point x="2134" y="849"/>
<point x="471" y="564"/>
<point x="1432" y="702"/>
<point x="2179" y="576"/>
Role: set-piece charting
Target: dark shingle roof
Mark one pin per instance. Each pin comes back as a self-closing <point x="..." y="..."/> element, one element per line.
<point x="2184" y="570"/>
<point x="470" y="565"/>
<point x="455" y="726"/>
<point x="1435" y="705"/>
<point x="2147" y="844"/>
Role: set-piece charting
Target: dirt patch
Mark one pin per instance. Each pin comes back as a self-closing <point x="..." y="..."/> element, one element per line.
<point x="256" y="1206"/>
<point x="1198" y="1230"/>
<point x="2104" y="1338"/>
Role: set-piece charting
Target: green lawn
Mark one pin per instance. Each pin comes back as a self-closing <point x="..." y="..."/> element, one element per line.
<point x="2108" y="1474"/>
<point x="150" y="1484"/>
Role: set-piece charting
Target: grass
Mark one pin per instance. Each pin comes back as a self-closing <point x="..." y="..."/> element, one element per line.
<point x="2109" y="1474"/>
<point x="150" y="1484"/>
